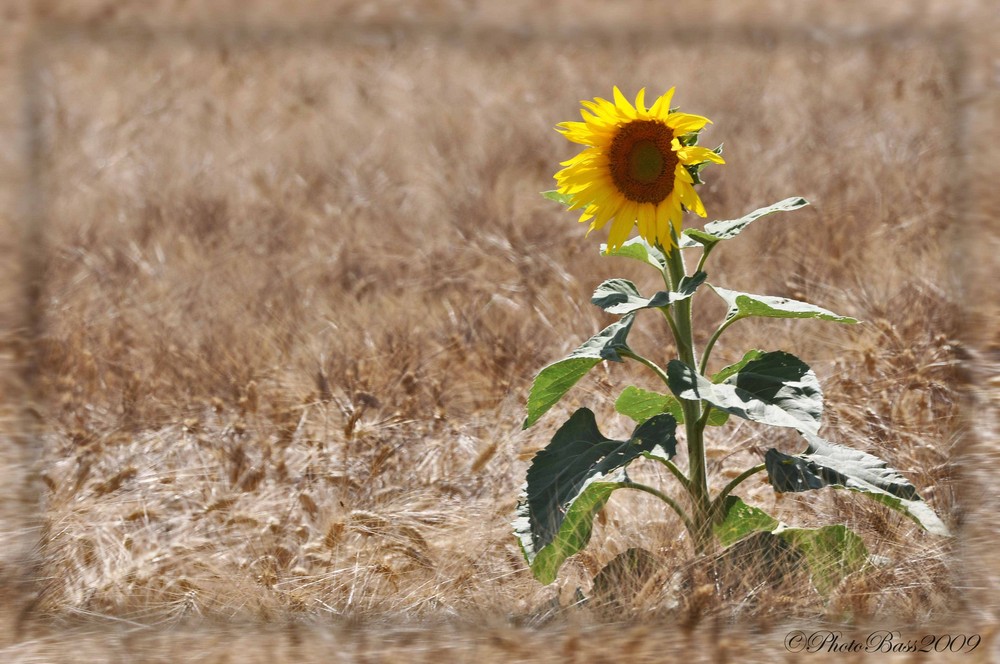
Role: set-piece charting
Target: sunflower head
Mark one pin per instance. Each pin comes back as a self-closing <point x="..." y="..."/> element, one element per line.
<point x="639" y="167"/>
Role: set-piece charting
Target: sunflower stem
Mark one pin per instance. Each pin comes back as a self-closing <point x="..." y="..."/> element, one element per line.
<point x="720" y="500"/>
<point x="647" y="362"/>
<point x="670" y="320"/>
<point x="676" y="472"/>
<point x="697" y="471"/>
<point x="711" y="344"/>
<point x="704" y="257"/>
<point x="691" y="526"/>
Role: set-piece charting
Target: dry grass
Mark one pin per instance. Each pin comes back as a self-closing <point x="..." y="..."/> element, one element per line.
<point x="297" y="285"/>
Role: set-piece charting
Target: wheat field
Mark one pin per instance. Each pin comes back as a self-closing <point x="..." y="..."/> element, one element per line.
<point x="277" y="280"/>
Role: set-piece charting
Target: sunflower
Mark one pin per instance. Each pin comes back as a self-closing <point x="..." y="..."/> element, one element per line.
<point x="635" y="169"/>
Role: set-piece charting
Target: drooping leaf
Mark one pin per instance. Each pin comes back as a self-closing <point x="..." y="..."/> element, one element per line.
<point x="640" y="405"/>
<point x="640" y="250"/>
<point x="830" y="552"/>
<point x="571" y="480"/>
<point x="716" y="231"/>
<point x="620" y="296"/>
<point x="827" y="464"/>
<point x="740" y="520"/>
<point x="556" y="379"/>
<point x="745" y="305"/>
<point x="554" y="195"/>
<point x="776" y="388"/>
<point x="623" y="577"/>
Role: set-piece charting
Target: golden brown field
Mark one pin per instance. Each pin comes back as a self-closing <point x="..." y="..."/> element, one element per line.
<point x="276" y="283"/>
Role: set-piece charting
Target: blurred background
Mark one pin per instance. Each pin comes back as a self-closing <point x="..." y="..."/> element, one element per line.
<point x="277" y="280"/>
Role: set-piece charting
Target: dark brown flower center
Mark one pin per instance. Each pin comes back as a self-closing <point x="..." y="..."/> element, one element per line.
<point x="642" y="161"/>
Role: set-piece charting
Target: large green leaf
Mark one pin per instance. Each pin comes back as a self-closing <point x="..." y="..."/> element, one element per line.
<point x="640" y="405"/>
<point x="745" y="305"/>
<point x="571" y="480"/>
<point x="732" y="369"/>
<point x="640" y="250"/>
<point x="622" y="579"/>
<point x="739" y="520"/>
<point x="719" y="417"/>
<point x="830" y="552"/>
<point x="776" y="388"/>
<point x="716" y="231"/>
<point x="827" y="464"/>
<point x="556" y="379"/>
<point x="620" y="296"/>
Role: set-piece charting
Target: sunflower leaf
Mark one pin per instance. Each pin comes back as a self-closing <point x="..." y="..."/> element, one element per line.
<point x="746" y="305"/>
<point x="740" y="520"/>
<point x="726" y="372"/>
<point x="640" y="405"/>
<point x="829" y="552"/>
<point x="572" y="479"/>
<point x="776" y="388"/>
<point x="717" y="418"/>
<point x="620" y="296"/>
<point x="716" y="231"/>
<point x="827" y="464"/>
<point x="554" y="195"/>
<point x="640" y="250"/>
<point x="556" y="379"/>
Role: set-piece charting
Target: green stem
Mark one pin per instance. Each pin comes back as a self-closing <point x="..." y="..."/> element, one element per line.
<point x="663" y="376"/>
<point x="649" y="363"/>
<point x="698" y="477"/>
<point x="704" y="256"/>
<point x="721" y="498"/>
<point x="703" y="420"/>
<point x="682" y="309"/>
<point x="711" y="343"/>
<point x="668" y="500"/>
<point x="666" y="277"/>
<point x="677" y="472"/>
<point x="670" y="320"/>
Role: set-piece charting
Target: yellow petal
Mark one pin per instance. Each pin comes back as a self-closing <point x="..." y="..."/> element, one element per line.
<point x="690" y="199"/>
<point x="619" y="230"/>
<point x="623" y="105"/>
<point x="663" y="211"/>
<point x="583" y="138"/>
<point x="683" y="123"/>
<point x="640" y="102"/>
<point x="662" y="105"/>
<point x="647" y="220"/>
<point x="607" y="212"/>
<point x="696" y="154"/>
<point x="606" y="109"/>
<point x="596" y="124"/>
